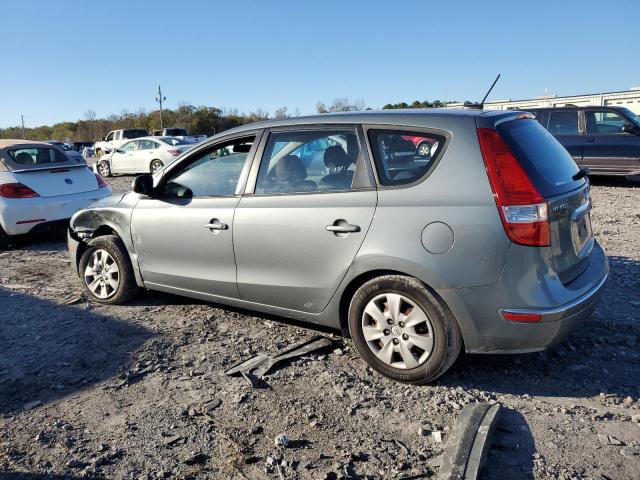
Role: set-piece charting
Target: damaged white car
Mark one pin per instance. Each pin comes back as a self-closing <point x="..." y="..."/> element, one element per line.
<point x="39" y="184"/>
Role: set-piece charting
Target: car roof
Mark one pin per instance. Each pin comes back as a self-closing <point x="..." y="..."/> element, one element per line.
<point x="11" y="142"/>
<point x="577" y="107"/>
<point x="391" y="116"/>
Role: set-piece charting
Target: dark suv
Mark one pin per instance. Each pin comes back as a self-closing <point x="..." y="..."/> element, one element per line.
<point x="604" y="139"/>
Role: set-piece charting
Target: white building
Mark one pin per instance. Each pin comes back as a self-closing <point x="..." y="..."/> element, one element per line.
<point x="626" y="98"/>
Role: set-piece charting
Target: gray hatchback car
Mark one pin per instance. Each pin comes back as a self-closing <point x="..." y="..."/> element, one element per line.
<point x="418" y="233"/>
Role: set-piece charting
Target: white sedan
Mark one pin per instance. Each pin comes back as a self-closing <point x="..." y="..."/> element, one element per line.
<point x="39" y="184"/>
<point x="142" y="155"/>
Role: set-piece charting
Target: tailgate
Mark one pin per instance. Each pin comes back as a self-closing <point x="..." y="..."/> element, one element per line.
<point x="556" y="177"/>
<point x="571" y="236"/>
<point x="52" y="182"/>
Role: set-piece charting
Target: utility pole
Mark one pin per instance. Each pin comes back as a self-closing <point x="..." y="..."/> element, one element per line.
<point x="22" y="118"/>
<point x="160" y="99"/>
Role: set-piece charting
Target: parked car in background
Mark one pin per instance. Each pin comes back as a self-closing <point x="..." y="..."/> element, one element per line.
<point x="79" y="146"/>
<point x="604" y="139"/>
<point x="180" y="133"/>
<point x="40" y="184"/>
<point x="116" y="138"/>
<point x="485" y="243"/>
<point x="142" y="155"/>
<point x="69" y="152"/>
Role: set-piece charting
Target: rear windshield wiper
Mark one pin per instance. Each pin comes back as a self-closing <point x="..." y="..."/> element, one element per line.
<point x="583" y="172"/>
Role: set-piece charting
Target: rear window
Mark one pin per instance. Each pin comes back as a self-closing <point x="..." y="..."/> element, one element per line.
<point x="37" y="156"/>
<point x="545" y="160"/>
<point x="134" y="133"/>
<point x="176" y="132"/>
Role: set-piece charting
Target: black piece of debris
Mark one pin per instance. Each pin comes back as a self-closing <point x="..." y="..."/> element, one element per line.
<point x="254" y="368"/>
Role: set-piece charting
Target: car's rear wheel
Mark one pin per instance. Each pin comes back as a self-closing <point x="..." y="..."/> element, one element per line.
<point x="104" y="169"/>
<point x="156" y="165"/>
<point x="402" y="330"/>
<point x="424" y="149"/>
<point x="106" y="271"/>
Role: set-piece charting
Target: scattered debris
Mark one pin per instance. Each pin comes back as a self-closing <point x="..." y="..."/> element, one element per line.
<point x="468" y="442"/>
<point x="281" y="441"/>
<point x="254" y="368"/>
<point x="31" y="405"/>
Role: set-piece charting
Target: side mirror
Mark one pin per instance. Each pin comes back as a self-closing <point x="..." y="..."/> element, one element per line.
<point x="630" y="128"/>
<point x="143" y="185"/>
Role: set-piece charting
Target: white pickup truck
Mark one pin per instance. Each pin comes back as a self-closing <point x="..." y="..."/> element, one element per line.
<point x="115" y="138"/>
<point x="180" y="133"/>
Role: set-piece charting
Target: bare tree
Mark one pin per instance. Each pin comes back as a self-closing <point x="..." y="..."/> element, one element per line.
<point x="281" y="112"/>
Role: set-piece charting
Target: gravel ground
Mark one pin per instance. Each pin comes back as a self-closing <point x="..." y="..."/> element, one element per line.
<point x="138" y="392"/>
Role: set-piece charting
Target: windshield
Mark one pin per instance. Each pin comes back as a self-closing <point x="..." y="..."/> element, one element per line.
<point x="174" y="141"/>
<point x="37" y="156"/>
<point x="631" y="116"/>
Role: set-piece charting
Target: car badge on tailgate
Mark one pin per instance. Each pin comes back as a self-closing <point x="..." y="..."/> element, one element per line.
<point x="560" y="209"/>
<point x="68" y="181"/>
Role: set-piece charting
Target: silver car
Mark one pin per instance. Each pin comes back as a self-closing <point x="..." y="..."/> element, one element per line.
<point x="482" y="241"/>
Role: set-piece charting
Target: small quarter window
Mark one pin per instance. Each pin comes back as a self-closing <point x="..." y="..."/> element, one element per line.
<point x="403" y="157"/>
<point x="563" y="123"/>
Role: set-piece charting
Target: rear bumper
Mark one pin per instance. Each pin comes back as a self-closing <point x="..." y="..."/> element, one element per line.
<point x="479" y="310"/>
<point x="21" y="215"/>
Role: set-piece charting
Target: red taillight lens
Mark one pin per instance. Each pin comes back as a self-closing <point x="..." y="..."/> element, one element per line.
<point x="16" y="190"/>
<point x="523" y="211"/>
<point x="101" y="182"/>
<point x="175" y="153"/>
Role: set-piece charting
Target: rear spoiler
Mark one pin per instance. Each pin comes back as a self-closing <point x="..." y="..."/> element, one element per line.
<point x="58" y="168"/>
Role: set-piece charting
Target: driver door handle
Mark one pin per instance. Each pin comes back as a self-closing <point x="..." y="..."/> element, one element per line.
<point x="216" y="224"/>
<point x="341" y="226"/>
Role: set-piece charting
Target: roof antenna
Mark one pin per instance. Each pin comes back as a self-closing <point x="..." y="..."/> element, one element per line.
<point x="481" y="104"/>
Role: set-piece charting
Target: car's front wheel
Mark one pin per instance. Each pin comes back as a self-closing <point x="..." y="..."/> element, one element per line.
<point x="402" y="330"/>
<point x="106" y="271"/>
<point x="104" y="169"/>
<point x="156" y="165"/>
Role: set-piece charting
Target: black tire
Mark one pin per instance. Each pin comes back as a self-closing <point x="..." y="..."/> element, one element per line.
<point x="155" y="165"/>
<point x="104" y="168"/>
<point x="127" y="287"/>
<point x="4" y="239"/>
<point x="447" y="339"/>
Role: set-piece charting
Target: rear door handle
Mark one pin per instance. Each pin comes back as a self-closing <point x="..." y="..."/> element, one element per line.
<point x="591" y="139"/>
<point x="216" y="224"/>
<point x="341" y="226"/>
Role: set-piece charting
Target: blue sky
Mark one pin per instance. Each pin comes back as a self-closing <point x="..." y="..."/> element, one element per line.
<point x="63" y="58"/>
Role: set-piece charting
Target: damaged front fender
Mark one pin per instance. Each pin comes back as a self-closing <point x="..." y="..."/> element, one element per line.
<point x="109" y="216"/>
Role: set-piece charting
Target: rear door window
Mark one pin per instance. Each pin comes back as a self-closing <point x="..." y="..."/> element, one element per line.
<point x="545" y="160"/>
<point x="404" y="157"/>
<point x="563" y="123"/>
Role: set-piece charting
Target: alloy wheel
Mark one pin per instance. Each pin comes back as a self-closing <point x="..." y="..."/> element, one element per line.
<point x="102" y="275"/>
<point x="397" y="331"/>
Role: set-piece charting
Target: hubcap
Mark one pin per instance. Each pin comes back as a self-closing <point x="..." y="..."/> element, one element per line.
<point x="409" y="342"/>
<point x="104" y="169"/>
<point x="424" y="150"/>
<point x="102" y="275"/>
<point x="155" y="167"/>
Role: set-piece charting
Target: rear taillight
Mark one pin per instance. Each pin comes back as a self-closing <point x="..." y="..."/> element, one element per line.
<point x="524" y="212"/>
<point x="16" y="190"/>
<point x="175" y="153"/>
<point x="101" y="182"/>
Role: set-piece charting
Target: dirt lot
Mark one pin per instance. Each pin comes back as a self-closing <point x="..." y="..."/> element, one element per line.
<point x="138" y="392"/>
